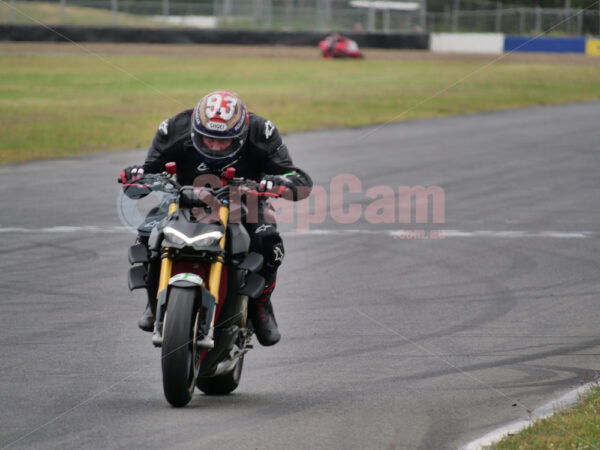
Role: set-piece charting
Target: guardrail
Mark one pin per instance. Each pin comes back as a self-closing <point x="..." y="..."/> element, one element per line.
<point x="195" y="36"/>
<point x="491" y="43"/>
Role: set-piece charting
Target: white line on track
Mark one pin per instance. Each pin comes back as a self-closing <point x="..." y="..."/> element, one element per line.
<point x="518" y="234"/>
<point x="402" y="233"/>
<point x="442" y="234"/>
<point x="64" y="229"/>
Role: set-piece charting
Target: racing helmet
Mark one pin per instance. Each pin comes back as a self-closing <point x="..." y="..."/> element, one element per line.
<point x="220" y="115"/>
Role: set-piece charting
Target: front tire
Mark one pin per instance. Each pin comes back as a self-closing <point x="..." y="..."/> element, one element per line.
<point x="180" y="357"/>
<point x="222" y="384"/>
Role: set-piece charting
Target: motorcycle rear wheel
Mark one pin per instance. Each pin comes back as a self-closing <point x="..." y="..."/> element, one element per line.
<point x="180" y="357"/>
<point x="222" y="384"/>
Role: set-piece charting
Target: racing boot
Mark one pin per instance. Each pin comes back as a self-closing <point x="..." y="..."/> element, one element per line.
<point x="146" y="322"/>
<point x="263" y="319"/>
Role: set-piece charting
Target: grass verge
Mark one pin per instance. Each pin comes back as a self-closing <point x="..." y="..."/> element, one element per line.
<point x="52" y="14"/>
<point x="57" y="105"/>
<point x="574" y="428"/>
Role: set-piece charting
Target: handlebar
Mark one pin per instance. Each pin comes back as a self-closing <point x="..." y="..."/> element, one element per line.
<point x="165" y="183"/>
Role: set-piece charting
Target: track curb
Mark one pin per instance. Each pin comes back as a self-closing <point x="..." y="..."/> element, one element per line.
<point x="565" y="401"/>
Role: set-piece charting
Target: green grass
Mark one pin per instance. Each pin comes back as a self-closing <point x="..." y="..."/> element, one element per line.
<point x="51" y="14"/>
<point x="58" y="105"/>
<point x="576" y="428"/>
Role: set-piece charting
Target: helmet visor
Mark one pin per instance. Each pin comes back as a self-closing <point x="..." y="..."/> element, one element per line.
<point x="216" y="148"/>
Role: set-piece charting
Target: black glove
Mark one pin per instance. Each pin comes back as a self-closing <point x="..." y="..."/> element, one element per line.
<point x="276" y="183"/>
<point x="131" y="174"/>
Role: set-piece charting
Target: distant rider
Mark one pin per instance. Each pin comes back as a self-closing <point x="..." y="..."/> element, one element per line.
<point x="220" y="133"/>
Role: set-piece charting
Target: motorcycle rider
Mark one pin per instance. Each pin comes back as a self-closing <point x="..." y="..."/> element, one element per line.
<point x="220" y="133"/>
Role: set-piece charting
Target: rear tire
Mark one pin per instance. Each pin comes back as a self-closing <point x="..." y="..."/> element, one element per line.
<point x="180" y="358"/>
<point x="222" y="384"/>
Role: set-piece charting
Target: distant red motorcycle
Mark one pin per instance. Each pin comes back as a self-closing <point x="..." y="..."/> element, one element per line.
<point x="338" y="46"/>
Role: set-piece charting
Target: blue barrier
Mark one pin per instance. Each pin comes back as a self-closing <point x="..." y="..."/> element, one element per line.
<point x="545" y="44"/>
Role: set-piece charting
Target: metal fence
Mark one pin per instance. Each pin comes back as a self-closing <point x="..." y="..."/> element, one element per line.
<point x="522" y="21"/>
<point x="304" y="15"/>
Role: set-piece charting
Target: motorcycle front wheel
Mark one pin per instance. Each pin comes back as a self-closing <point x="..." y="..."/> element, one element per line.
<point x="180" y="357"/>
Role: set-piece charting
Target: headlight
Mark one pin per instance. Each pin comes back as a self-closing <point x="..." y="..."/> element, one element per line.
<point x="174" y="236"/>
<point x="207" y="242"/>
<point x="197" y="242"/>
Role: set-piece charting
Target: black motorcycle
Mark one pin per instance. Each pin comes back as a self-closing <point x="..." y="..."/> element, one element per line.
<point x="207" y="277"/>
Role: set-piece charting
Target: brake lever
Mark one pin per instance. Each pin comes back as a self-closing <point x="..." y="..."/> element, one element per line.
<point x="263" y="194"/>
<point x="137" y="185"/>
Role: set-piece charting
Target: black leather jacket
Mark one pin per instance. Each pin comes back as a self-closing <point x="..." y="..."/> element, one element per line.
<point x="263" y="153"/>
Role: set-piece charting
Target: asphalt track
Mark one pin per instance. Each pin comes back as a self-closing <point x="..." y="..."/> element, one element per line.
<point x="387" y="342"/>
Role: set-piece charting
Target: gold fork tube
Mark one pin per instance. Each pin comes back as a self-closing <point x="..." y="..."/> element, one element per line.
<point x="166" y="264"/>
<point x="166" y="267"/>
<point x="216" y="268"/>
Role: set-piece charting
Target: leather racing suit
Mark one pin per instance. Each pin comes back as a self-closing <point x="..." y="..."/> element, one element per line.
<point x="263" y="153"/>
